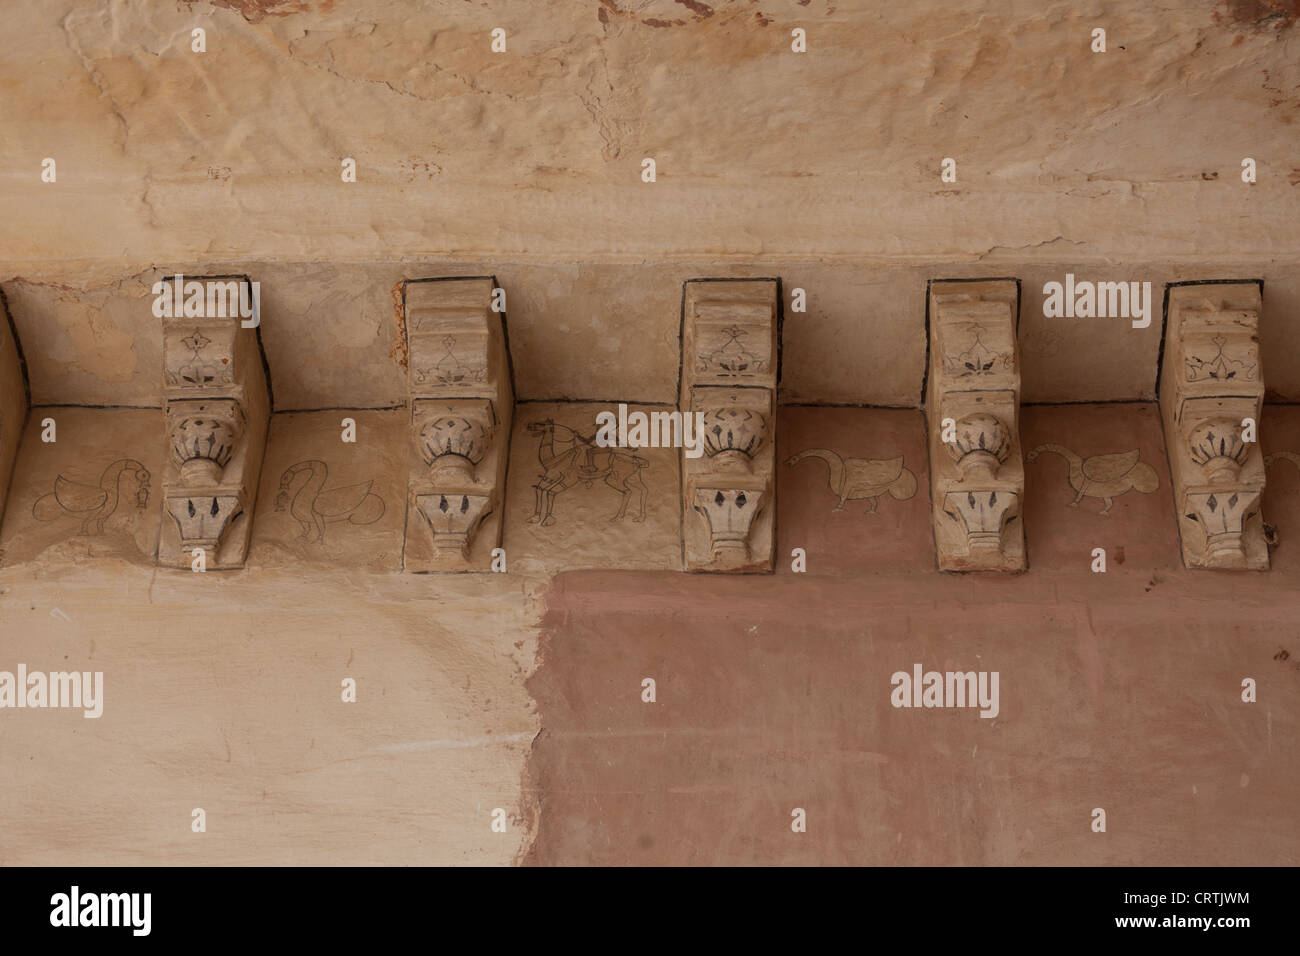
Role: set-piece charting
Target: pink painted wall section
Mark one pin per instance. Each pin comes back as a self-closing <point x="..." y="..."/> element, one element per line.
<point x="774" y="694"/>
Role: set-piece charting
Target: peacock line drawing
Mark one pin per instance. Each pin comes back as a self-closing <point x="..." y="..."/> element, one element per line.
<point x="852" y="479"/>
<point x="1103" y="476"/>
<point x="94" y="504"/>
<point x="313" y="506"/>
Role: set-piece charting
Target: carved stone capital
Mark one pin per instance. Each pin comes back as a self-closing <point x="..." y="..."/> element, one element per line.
<point x="202" y="437"/>
<point x="453" y="439"/>
<point x="452" y="519"/>
<point x="1215" y="445"/>
<point x="217" y="404"/>
<point x="734" y="429"/>
<point x="202" y="519"/>
<point x="973" y="411"/>
<point x="1223" y="517"/>
<point x="730" y="514"/>
<point x="980" y="446"/>
<point x="983" y="516"/>
<point x="730" y="356"/>
<point x="462" y="402"/>
<point x="1211" y="384"/>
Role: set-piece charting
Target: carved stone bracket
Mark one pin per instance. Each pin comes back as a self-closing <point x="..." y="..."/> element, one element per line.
<point x="1210" y="384"/>
<point x="729" y="377"/>
<point x="973" y="407"/>
<point x="462" y="402"/>
<point x="217" y="405"/>
<point x="13" y="401"/>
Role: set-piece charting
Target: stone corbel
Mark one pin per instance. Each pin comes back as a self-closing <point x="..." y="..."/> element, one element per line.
<point x="728" y="392"/>
<point x="13" y="400"/>
<point x="462" y="401"/>
<point x="217" y="406"/>
<point x="1210" y="385"/>
<point x="973" y="406"/>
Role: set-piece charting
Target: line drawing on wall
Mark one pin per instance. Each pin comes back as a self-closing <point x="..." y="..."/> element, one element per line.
<point x="570" y="458"/>
<point x="313" y="506"/>
<point x="855" y="479"/>
<point x="1104" y="477"/>
<point x="94" y="504"/>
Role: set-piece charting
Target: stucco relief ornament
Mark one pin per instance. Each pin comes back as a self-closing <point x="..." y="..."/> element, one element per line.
<point x="1216" y="446"/>
<point x="203" y="438"/>
<point x="981" y="446"/>
<point x="452" y="445"/>
<point x="733" y="436"/>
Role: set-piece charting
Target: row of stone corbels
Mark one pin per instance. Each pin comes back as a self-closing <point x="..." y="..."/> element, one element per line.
<point x="1210" y="413"/>
<point x="216" y="395"/>
<point x="216" y="398"/>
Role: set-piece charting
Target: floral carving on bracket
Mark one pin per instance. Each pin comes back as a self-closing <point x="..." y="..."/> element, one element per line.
<point x="203" y="368"/>
<point x="732" y="358"/>
<point x="450" y="369"/>
<point x="1220" y="367"/>
<point x="977" y="358"/>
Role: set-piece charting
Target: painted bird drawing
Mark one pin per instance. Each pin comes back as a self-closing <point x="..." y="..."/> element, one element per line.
<point x="1105" y="477"/>
<point x="853" y="479"/>
<point x="313" y="506"/>
<point x="93" y="504"/>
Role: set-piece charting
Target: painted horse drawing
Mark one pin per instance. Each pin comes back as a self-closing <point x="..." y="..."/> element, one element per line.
<point x="568" y="458"/>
